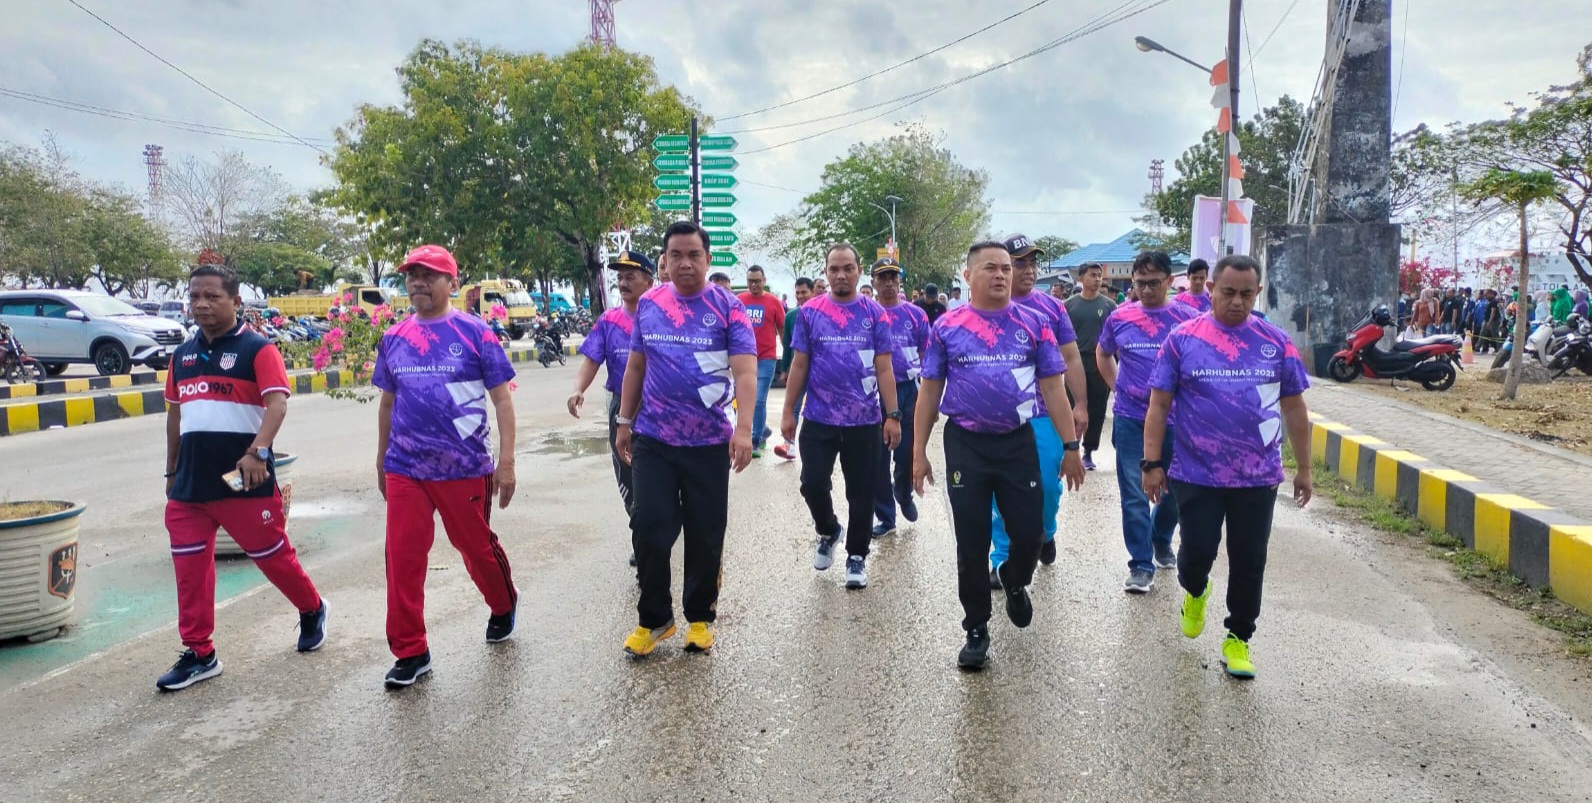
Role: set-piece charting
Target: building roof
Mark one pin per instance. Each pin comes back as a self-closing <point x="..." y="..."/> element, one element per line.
<point x="1120" y="250"/>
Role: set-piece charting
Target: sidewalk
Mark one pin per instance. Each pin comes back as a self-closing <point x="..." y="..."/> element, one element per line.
<point x="1552" y="476"/>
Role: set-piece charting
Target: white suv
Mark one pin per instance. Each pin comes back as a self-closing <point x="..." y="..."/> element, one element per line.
<point x="58" y="327"/>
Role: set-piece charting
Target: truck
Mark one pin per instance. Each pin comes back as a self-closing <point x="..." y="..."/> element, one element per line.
<point x="317" y="304"/>
<point x="510" y="293"/>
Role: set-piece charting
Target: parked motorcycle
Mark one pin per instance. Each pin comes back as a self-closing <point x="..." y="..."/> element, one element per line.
<point x="1541" y="343"/>
<point x="547" y="349"/>
<point x="15" y="364"/>
<point x="1431" y="361"/>
<point x="1576" y="349"/>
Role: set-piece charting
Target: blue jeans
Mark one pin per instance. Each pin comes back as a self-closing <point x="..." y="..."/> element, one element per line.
<point x="893" y="486"/>
<point x="1144" y="526"/>
<point x="765" y="377"/>
<point x="1049" y="444"/>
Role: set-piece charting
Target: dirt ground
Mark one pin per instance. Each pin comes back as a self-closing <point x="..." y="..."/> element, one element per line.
<point x="1559" y="412"/>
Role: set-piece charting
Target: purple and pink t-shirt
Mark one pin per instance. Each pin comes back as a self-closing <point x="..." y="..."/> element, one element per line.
<point x="688" y="342"/>
<point x="840" y="341"/>
<point x="1200" y="302"/>
<point x="439" y="372"/>
<point x="1134" y="333"/>
<point x="908" y="327"/>
<point x="991" y="363"/>
<point x="608" y="344"/>
<point x="1055" y="316"/>
<point x="1226" y="384"/>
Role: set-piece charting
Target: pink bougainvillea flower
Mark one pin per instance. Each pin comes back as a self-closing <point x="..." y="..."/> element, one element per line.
<point x="323" y="358"/>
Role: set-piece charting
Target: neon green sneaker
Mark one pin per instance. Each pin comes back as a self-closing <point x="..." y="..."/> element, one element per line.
<point x="1235" y="654"/>
<point x="1194" y="611"/>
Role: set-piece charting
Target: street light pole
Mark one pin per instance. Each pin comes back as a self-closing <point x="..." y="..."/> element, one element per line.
<point x="1235" y="10"/>
<point x="891" y="214"/>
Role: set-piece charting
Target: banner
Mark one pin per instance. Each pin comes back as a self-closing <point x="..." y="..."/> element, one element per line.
<point x="1207" y="230"/>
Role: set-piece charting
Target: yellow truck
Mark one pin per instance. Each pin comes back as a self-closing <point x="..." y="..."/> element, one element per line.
<point x="509" y="293"/>
<point x="317" y="304"/>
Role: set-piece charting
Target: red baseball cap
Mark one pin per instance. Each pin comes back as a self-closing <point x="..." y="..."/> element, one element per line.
<point x="434" y="257"/>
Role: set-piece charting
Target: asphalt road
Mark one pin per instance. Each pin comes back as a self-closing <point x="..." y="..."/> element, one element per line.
<point x="1381" y="677"/>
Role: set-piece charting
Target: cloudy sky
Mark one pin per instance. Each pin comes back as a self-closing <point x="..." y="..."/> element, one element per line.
<point x="1066" y="136"/>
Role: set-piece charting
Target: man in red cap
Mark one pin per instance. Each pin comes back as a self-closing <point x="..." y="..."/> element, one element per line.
<point x="439" y="371"/>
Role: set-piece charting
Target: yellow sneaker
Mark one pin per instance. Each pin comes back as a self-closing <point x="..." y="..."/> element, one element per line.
<point x="1235" y="654"/>
<point x="699" y="637"/>
<point x="641" y="641"/>
<point x="1194" y="612"/>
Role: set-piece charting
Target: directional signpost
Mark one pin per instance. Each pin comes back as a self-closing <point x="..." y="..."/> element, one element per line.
<point x="716" y="142"/>
<point x="726" y="163"/>
<point x="717" y="181"/>
<point x="672" y="181"/>
<point x="716" y="220"/>
<point x="672" y="143"/>
<point x="723" y="239"/>
<point x="673" y="202"/>
<point x="724" y="259"/>
<point x="680" y="163"/>
<point x="717" y="200"/>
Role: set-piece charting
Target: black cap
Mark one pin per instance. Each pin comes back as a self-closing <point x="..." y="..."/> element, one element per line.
<point x="886" y="265"/>
<point x="633" y="260"/>
<point x="1018" y="245"/>
<point x="930" y="289"/>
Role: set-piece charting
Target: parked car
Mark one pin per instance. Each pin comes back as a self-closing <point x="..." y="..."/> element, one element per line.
<point x="148" y="307"/>
<point x="174" y="311"/>
<point x="60" y="327"/>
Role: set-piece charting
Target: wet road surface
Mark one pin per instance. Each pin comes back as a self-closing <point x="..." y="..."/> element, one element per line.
<point x="1381" y="678"/>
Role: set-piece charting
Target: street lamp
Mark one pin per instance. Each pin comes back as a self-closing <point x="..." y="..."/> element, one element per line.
<point x="890" y="213"/>
<point x="1149" y="45"/>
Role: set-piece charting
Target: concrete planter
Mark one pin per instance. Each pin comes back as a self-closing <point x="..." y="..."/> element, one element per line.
<point x="38" y="573"/>
<point x="225" y="546"/>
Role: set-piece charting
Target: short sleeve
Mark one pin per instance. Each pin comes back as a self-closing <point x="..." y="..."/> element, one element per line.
<point x="1047" y="355"/>
<point x="495" y="366"/>
<point x="595" y="345"/>
<point x="882" y="342"/>
<point x="171" y="383"/>
<point x="270" y="374"/>
<point x="798" y="338"/>
<point x="1168" y="366"/>
<point x="739" y="330"/>
<point x="922" y="328"/>
<point x="382" y="377"/>
<point x="635" y="331"/>
<point x="1106" y="343"/>
<point x="1064" y="332"/>
<point x="1295" y="380"/>
<point x="934" y="356"/>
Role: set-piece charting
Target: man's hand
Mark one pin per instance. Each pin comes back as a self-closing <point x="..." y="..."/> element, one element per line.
<point x="892" y="433"/>
<point x="622" y="442"/>
<point x="170" y="481"/>
<point x="381" y="480"/>
<point x="576" y="399"/>
<point x="740" y="450"/>
<point x="1303" y="487"/>
<point x="255" y="471"/>
<point x="1153" y="482"/>
<point x="787" y="425"/>
<point x="1080" y="418"/>
<point x="1072" y="469"/>
<point x="922" y="472"/>
<point x="503" y="483"/>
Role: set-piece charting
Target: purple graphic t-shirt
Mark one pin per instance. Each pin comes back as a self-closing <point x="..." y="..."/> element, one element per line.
<point x="1134" y="333"/>
<point x="909" y="334"/>
<point x="609" y="344"/>
<point x="687" y="342"/>
<point x="1055" y="316"/>
<point x="1227" y="383"/>
<point x="840" y="341"/>
<point x="439" y="373"/>
<point x="991" y="363"/>
<point x="1201" y="302"/>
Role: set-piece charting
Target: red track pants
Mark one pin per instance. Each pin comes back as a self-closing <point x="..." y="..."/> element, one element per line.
<point x="466" y="509"/>
<point x="258" y="526"/>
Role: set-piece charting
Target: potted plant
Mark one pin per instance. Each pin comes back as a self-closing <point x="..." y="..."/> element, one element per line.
<point x="38" y="567"/>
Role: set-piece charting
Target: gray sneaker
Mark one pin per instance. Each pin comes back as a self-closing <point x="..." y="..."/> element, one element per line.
<point x="856" y="572"/>
<point x="1139" y="582"/>
<point x="825" y="556"/>
<point x="1165" y="557"/>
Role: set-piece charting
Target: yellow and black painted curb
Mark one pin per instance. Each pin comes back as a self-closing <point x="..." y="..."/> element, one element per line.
<point x="53" y="413"/>
<point x="1540" y="545"/>
<point x="532" y="355"/>
<point x="55" y="387"/>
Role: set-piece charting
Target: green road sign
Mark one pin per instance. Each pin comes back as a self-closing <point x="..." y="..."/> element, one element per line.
<point x="672" y="143"/>
<point x="715" y="142"/>
<point x="724" y="259"/>
<point x="673" y="201"/>
<point x="674" y="161"/>
<point x="718" y="219"/>
<point x="717" y="200"/>
<point x="723" y="239"/>
<point x="718" y="181"/>
<point x="717" y="163"/>
<point x="672" y="181"/>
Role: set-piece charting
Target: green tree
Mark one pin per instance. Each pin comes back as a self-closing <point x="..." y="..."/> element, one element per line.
<point x="272" y="248"/>
<point x="129" y="253"/>
<point x="1056" y="246"/>
<point x="1519" y="189"/>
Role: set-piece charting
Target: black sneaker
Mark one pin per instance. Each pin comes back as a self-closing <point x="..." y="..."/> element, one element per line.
<point x="1139" y="582"/>
<point x="500" y="627"/>
<point x="975" y="653"/>
<point x="1019" y="607"/>
<point x="883" y="530"/>
<point x="1165" y="557"/>
<point x="312" y="629"/>
<point x="1047" y="552"/>
<point x="994" y="580"/>
<point x="909" y="508"/>
<point x="188" y="670"/>
<point x="408" y="670"/>
<point x="632" y="559"/>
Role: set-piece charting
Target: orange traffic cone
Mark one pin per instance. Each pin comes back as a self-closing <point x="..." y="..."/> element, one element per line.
<point x="1467" y="355"/>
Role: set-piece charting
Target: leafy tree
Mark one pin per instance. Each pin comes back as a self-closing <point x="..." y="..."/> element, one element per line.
<point x="296" y="244"/>
<point x="130" y="254"/>
<point x="1055" y="246"/>
<point x="1519" y="189"/>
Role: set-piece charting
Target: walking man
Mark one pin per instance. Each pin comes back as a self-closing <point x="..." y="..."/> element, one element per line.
<point x="439" y="372"/>
<point x="767" y="315"/>
<point x="931" y="304"/>
<point x="1088" y="311"/>
<point x="908" y="329"/>
<point x="1130" y="340"/>
<point x="985" y="367"/>
<point x="234" y="387"/>
<point x="1199" y="272"/>
<point x="804" y="294"/>
<point x="843" y="365"/>
<point x="1025" y="274"/>
<point x="1231" y="367"/>
<point x="691" y="354"/>
<point x="609" y="344"/>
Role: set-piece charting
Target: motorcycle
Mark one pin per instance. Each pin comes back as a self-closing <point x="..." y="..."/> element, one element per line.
<point x="1576" y="350"/>
<point x="1544" y="340"/>
<point x="501" y="333"/>
<point x="1431" y="361"/>
<point x="15" y="364"/>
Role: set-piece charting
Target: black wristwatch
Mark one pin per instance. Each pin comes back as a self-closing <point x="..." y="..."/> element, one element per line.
<point x="1150" y="465"/>
<point x="1070" y="446"/>
<point x="893" y="415"/>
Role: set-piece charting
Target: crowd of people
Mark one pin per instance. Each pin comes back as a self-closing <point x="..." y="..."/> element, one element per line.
<point x="1484" y="316"/>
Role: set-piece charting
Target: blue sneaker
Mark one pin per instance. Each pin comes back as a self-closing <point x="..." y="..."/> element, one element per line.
<point x="909" y="508"/>
<point x="882" y="530"/>
<point x="312" y="629"/>
<point x="188" y="670"/>
<point x="499" y="628"/>
<point x="408" y="670"/>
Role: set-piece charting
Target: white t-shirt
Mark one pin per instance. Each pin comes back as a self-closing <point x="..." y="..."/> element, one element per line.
<point x="953" y="303"/>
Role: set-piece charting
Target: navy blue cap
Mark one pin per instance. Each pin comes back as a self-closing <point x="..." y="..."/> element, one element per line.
<point x="635" y="260"/>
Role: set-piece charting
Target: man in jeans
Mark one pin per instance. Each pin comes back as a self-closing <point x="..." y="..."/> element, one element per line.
<point x="767" y="315"/>
<point x="843" y="365"/>
<point x="1088" y="311"/>
<point x="1234" y="368"/>
<point x="908" y="328"/>
<point x="1133" y="335"/>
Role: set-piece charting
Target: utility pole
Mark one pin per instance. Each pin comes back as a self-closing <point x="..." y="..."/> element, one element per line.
<point x="696" y="175"/>
<point x="1235" y="18"/>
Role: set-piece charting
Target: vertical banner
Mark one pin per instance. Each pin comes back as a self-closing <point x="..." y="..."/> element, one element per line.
<point x="1207" y="228"/>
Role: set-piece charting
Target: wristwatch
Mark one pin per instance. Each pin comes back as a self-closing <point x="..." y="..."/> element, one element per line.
<point x="893" y="415"/>
<point x="1070" y="446"/>
<point x="622" y="421"/>
<point x="262" y="453"/>
<point x="1150" y="465"/>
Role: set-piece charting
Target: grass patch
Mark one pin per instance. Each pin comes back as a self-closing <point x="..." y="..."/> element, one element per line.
<point x="1476" y="569"/>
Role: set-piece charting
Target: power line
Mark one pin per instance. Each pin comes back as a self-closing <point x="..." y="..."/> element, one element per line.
<point x="1404" y="49"/>
<point x="1254" y="86"/>
<point x="202" y="84"/>
<point x="121" y="114"/>
<point x="878" y="73"/>
<point x="1275" y="28"/>
<point x="1068" y="213"/>
<point x="772" y="186"/>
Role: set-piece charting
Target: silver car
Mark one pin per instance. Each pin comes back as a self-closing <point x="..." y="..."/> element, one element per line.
<point x="59" y="327"/>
